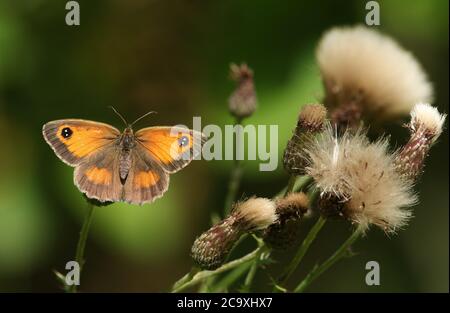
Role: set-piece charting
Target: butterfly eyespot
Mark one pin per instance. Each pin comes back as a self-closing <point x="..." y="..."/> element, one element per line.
<point x="183" y="141"/>
<point x="66" y="132"/>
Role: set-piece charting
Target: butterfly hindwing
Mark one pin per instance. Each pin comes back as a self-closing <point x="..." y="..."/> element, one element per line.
<point x="98" y="177"/>
<point x="146" y="181"/>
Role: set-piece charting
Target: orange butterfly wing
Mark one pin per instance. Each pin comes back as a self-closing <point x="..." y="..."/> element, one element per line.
<point x="75" y="140"/>
<point x="146" y="181"/>
<point x="91" y="148"/>
<point x="171" y="147"/>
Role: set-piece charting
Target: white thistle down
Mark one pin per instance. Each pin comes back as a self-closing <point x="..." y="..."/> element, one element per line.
<point x="363" y="176"/>
<point x="257" y="213"/>
<point x="361" y="64"/>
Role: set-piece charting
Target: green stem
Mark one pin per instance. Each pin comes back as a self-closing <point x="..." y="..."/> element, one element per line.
<point x="250" y="276"/>
<point x="79" y="255"/>
<point x="290" y="185"/>
<point x="339" y="254"/>
<point x="252" y="272"/>
<point x="300" y="184"/>
<point x="235" y="179"/>
<point x="230" y="278"/>
<point x="233" y="186"/>
<point x="186" y="278"/>
<point x="312" y="234"/>
<point x="200" y="276"/>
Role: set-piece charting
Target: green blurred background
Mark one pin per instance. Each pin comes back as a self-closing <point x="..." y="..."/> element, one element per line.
<point x="173" y="57"/>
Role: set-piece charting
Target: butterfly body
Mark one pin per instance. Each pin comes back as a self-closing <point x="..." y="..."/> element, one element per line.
<point x="127" y="143"/>
<point x="122" y="166"/>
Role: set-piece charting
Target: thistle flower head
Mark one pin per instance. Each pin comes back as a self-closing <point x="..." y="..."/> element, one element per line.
<point x="211" y="248"/>
<point x="366" y="72"/>
<point x="359" y="180"/>
<point x="310" y="121"/>
<point x="425" y="126"/>
<point x="242" y="102"/>
<point x="290" y="210"/>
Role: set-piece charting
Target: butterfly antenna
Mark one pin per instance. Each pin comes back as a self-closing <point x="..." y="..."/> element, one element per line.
<point x="119" y="115"/>
<point x="140" y="118"/>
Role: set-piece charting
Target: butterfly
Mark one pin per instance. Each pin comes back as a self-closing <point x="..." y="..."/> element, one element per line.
<point x="126" y="166"/>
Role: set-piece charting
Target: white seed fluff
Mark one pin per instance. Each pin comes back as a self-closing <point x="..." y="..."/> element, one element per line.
<point x="363" y="175"/>
<point x="365" y="61"/>
<point x="259" y="213"/>
<point x="425" y="116"/>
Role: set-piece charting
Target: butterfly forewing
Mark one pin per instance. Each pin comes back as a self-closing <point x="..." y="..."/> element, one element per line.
<point x="172" y="147"/>
<point x="77" y="140"/>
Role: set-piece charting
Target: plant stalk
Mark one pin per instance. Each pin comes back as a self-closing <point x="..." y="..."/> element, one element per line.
<point x="235" y="179"/>
<point x="200" y="276"/>
<point x="341" y="252"/>
<point x="79" y="255"/>
<point x="310" y="237"/>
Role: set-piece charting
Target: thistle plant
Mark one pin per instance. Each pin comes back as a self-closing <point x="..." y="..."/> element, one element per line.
<point x="335" y="170"/>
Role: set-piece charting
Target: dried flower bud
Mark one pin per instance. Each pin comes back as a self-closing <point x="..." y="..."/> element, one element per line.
<point x="212" y="247"/>
<point x="310" y="121"/>
<point x="366" y="73"/>
<point x="290" y="210"/>
<point x="242" y="102"/>
<point x="425" y="126"/>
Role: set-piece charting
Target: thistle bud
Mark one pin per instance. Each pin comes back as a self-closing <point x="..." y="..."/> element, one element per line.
<point x="310" y="121"/>
<point x="290" y="210"/>
<point x="210" y="250"/>
<point x="242" y="102"/>
<point x="425" y="127"/>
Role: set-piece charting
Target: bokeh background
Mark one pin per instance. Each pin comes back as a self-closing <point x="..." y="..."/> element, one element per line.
<point x="173" y="57"/>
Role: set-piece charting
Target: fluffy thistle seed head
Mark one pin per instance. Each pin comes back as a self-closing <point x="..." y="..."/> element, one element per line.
<point x="366" y="72"/>
<point x="242" y="102"/>
<point x="425" y="127"/>
<point x="210" y="250"/>
<point x="310" y="121"/>
<point x="255" y="213"/>
<point x="290" y="210"/>
<point x="361" y="179"/>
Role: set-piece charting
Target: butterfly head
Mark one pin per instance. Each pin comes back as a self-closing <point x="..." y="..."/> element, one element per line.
<point x="127" y="140"/>
<point x="129" y="126"/>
